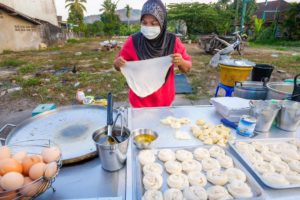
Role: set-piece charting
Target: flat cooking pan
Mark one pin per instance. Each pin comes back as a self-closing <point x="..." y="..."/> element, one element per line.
<point x="70" y="127"/>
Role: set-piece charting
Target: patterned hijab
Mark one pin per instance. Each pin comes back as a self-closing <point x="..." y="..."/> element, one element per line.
<point x="164" y="44"/>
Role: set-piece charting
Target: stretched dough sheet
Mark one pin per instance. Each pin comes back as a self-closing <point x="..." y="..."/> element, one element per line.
<point x="146" y="76"/>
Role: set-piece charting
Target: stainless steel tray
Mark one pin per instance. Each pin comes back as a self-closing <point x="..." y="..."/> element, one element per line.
<point x="138" y="188"/>
<point x="249" y="164"/>
<point x="70" y="127"/>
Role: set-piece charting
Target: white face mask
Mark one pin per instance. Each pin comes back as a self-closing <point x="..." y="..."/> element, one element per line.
<point x="150" y="32"/>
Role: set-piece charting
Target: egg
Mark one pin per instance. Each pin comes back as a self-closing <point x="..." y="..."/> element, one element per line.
<point x="10" y="165"/>
<point x="28" y="162"/>
<point x="12" y="181"/>
<point x="37" y="171"/>
<point x="20" y="156"/>
<point x="30" y="188"/>
<point x="4" y="152"/>
<point x="50" y="154"/>
<point x="51" y="170"/>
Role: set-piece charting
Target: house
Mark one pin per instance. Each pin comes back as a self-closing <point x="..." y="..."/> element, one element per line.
<point x="272" y="11"/>
<point x="24" y="31"/>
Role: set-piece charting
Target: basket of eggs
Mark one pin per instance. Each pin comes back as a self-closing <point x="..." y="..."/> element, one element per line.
<point x="28" y="168"/>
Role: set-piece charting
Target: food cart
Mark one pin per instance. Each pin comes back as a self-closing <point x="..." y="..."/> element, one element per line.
<point x="87" y="180"/>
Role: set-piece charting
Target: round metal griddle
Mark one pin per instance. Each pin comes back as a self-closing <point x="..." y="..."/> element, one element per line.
<point x="70" y="127"/>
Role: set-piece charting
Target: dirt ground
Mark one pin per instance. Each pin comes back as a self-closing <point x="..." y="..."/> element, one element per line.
<point x="54" y="75"/>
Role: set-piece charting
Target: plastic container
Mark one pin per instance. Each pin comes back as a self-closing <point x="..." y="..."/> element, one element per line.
<point x="261" y="71"/>
<point x="231" y="74"/>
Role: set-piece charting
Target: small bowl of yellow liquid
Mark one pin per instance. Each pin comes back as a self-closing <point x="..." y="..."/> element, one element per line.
<point x="143" y="138"/>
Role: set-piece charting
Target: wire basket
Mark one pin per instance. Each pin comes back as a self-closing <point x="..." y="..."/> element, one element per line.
<point x="38" y="186"/>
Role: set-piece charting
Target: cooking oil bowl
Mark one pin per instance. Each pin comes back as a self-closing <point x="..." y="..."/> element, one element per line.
<point x="142" y="138"/>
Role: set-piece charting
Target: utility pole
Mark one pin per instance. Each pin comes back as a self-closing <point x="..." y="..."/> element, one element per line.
<point x="236" y="14"/>
<point x="244" y="8"/>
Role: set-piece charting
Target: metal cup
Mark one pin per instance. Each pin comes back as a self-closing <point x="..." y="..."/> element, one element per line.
<point x="265" y="113"/>
<point x="112" y="156"/>
<point x="288" y="118"/>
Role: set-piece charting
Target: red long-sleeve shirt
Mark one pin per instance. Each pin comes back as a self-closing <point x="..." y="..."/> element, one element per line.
<point x="163" y="96"/>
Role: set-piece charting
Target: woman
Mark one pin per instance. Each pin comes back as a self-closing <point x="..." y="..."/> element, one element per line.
<point x="154" y="41"/>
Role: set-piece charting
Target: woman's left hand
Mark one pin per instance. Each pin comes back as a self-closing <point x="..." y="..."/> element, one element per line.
<point x="177" y="59"/>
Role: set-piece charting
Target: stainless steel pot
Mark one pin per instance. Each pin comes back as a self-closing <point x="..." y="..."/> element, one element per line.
<point x="112" y="156"/>
<point x="265" y="113"/>
<point x="280" y="90"/>
<point x="254" y="90"/>
<point x="288" y="118"/>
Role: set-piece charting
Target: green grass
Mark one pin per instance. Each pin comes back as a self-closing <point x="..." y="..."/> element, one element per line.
<point x="31" y="82"/>
<point x="11" y="63"/>
<point x="28" y="69"/>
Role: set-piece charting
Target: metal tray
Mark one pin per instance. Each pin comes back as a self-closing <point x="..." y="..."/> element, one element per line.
<point x="249" y="164"/>
<point x="139" y="189"/>
<point x="70" y="127"/>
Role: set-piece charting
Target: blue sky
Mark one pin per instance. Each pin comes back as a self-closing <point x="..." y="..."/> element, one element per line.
<point x="93" y="6"/>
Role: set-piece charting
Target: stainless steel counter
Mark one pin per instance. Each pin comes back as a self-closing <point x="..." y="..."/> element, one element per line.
<point x="150" y="118"/>
<point x="89" y="180"/>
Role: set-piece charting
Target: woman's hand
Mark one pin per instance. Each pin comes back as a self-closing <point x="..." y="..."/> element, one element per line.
<point x="119" y="62"/>
<point x="183" y="65"/>
<point x="177" y="59"/>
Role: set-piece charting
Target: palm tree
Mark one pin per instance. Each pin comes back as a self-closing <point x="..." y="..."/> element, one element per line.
<point x="76" y="4"/>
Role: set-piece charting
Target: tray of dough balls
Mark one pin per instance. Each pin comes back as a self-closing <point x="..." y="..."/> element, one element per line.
<point x="276" y="162"/>
<point x="200" y="173"/>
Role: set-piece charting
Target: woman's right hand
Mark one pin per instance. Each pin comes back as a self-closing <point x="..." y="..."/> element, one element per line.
<point x="119" y="62"/>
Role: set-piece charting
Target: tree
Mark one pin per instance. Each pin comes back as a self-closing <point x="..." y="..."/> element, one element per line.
<point x="109" y="18"/>
<point x="292" y="21"/>
<point x="76" y="9"/>
<point x="202" y="18"/>
<point x="128" y="13"/>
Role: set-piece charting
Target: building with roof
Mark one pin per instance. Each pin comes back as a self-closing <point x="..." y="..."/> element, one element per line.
<point x="28" y="29"/>
<point x="272" y="11"/>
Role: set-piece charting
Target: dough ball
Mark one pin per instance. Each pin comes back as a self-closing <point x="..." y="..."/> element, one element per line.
<point x="295" y="142"/>
<point x="295" y="165"/>
<point x="244" y="147"/>
<point x="239" y="189"/>
<point x="289" y="155"/>
<point x="197" y="178"/>
<point x="234" y="174"/>
<point x="280" y="166"/>
<point x="253" y="156"/>
<point x="146" y="156"/>
<point x="293" y="178"/>
<point x="218" y="192"/>
<point x="191" y="165"/>
<point x="178" y="181"/>
<point x="276" y="179"/>
<point x="288" y="146"/>
<point x="173" y="167"/>
<point x="152" y="168"/>
<point x="166" y="155"/>
<point x="274" y="147"/>
<point x="225" y="161"/>
<point x="152" y="195"/>
<point x="217" y="177"/>
<point x="200" y="122"/>
<point x="216" y="151"/>
<point x="210" y="164"/>
<point x="260" y="146"/>
<point x="173" y="194"/>
<point x="269" y="156"/>
<point x="263" y="167"/>
<point x="152" y="181"/>
<point x="183" y="155"/>
<point x="195" y="193"/>
<point x="201" y="153"/>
